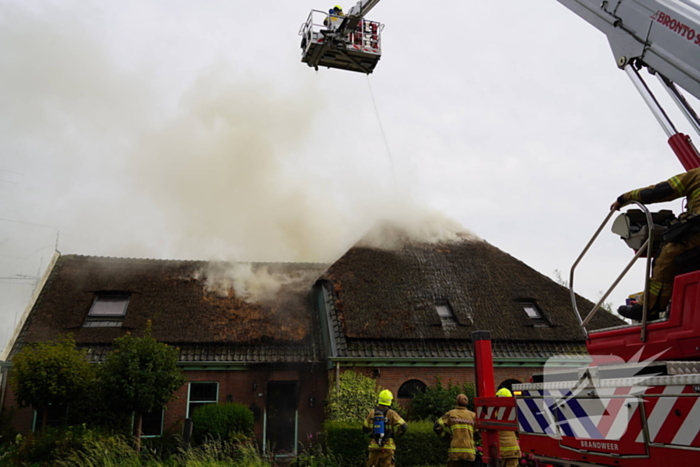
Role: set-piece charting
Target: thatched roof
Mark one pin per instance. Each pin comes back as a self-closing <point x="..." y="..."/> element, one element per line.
<point x="188" y="302"/>
<point x="391" y="294"/>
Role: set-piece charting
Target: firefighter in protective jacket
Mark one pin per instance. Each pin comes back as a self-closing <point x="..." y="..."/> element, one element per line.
<point x="458" y="424"/>
<point x="510" y="449"/>
<point x="384" y="425"/>
<point x="661" y="283"/>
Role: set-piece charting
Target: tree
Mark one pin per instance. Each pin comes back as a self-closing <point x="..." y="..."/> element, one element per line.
<point x="142" y="375"/>
<point x="50" y="373"/>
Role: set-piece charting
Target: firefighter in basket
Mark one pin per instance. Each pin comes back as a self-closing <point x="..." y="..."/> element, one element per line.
<point x="458" y="426"/>
<point x="508" y="441"/>
<point x="384" y="425"/>
<point x="665" y="269"/>
<point x="334" y="18"/>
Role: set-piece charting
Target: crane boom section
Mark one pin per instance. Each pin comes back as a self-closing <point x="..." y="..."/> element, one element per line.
<point x="663" y="34"/>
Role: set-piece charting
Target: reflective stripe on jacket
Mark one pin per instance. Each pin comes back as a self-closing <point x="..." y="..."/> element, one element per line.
<point x="458" y="423"/>
<point x="509" y="444"/>
<point x="686" y="184"/>
<point x="393" y="422"/>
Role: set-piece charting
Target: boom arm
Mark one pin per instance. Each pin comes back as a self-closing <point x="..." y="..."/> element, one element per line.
<point x="355" y="14"/>
<point x="662" y="34"/>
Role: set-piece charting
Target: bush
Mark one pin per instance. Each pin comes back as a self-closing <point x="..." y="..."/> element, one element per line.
<point x="222" y="421"/>
<point x="53" y="444"/>
<point x="434" y="401"/>
<point x="347" y="441"/>
<point x="356" y="395"/>
<point x="421" y="446"/>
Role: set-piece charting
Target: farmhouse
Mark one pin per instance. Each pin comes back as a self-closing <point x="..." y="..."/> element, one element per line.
<point x="272" y="335"/>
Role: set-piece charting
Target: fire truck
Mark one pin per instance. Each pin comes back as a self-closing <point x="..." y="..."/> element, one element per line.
<point x="638" y="402"/>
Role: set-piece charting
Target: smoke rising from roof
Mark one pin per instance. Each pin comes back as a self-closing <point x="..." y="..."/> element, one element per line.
<point x="229" y="169"/>
<point x="258" y="283"/>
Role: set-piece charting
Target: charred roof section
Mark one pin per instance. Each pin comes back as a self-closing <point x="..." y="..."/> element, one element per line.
<point x="184" y="300"/>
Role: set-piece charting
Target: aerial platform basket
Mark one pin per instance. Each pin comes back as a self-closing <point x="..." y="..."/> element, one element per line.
<point x="328" y="40"/>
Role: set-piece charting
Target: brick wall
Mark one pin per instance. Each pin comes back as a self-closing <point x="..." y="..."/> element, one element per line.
<point x="237" y="386"/>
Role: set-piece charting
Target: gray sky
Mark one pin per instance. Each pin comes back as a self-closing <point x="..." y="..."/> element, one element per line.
<point x="191" y="130"/>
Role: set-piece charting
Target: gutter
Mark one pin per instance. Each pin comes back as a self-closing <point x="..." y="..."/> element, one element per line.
<point x="455" y="362"/>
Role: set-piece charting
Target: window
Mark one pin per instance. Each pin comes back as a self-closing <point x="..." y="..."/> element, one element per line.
<point x="152" y="423"/>
<point x="410" y="388"/>
<point x="56" y="416"/>
<point x="200" y="394"/>
<point x="534" y="313"/>
<point x="107" y="311"/>
<point x="445" y="313"/>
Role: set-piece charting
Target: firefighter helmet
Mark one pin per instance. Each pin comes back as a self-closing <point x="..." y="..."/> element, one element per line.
<point x="504" y="392"/>
<point x="385" y="397"/>
<point x="338" y="7"/>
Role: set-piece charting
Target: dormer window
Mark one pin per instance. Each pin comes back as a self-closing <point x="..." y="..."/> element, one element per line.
<point x="534" y="313"/>
<point x="108" y="310"/>
<point x="445" y="313"/>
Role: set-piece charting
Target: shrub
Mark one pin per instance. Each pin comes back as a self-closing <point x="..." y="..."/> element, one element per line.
<point x="346" y="441"/>
<point x="421" y="446"/>
<point x="351" y="402"/>
<point x="222" y="421"/>
<point x="53" y="444"/>
<point x="434" y="401"/>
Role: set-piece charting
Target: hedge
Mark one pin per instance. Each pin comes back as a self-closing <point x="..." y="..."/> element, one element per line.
<point x="419" y="446"/>
<point x="221" y="421"/>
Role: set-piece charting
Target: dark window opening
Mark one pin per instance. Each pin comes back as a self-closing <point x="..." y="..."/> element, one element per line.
<point x="107" y="310"/>
<point x="55" y="417"/>
<point x="508" y="384"/>
<point x="410" y="388"/>
<point x="201" y="394"/>
<point x="152" y="423"/>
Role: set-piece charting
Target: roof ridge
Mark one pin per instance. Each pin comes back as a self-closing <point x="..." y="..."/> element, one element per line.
<point x="136" y="259"/>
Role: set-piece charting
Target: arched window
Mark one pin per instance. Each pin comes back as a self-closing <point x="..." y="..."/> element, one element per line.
<point x="509" y="384"/>
<point x="410" y="388"/>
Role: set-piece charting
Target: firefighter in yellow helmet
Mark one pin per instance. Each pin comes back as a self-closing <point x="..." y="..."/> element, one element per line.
<point x="335" y="17"/>
<point x="384" y="425"/>
<point x="510" y="449"/>
<point x="458" y="425"/>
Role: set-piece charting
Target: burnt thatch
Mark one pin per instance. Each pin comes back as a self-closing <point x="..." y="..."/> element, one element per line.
<point x="393" y="293"/>
<point x="181" y="300"/>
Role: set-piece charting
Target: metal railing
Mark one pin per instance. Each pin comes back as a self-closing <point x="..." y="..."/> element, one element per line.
<point x="647" y="245"/>
<point x="365" y="37"/>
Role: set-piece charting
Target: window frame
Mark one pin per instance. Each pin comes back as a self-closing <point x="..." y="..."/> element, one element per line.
<point x="105" y="320"/>
<point x="190" y="401"/>
<point x="162" y="424"/>
<point x="446" y="319"/>
<point x="539" y="321"/>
